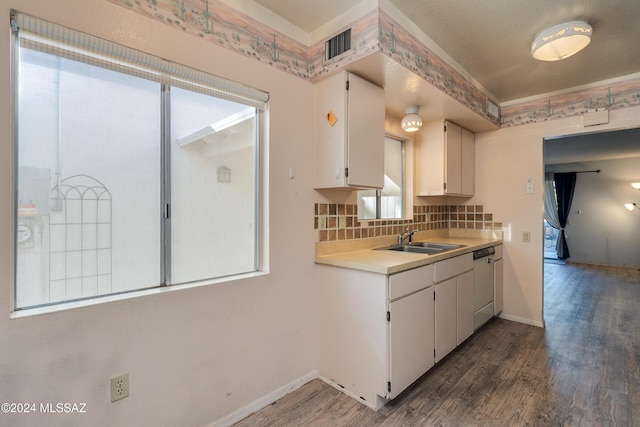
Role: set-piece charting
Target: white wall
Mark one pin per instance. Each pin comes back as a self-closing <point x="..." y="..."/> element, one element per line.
<point x="504" y="160"/>
<point x="193" y="355"/>
<point x="600" y="230"/>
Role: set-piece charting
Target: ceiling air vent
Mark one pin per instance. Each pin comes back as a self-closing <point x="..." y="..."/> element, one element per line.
<point x="337" y="45"/>
<point x="493" y="110"/>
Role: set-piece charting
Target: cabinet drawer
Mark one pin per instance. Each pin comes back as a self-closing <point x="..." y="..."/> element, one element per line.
<point x="453" y="267"/>
<point x="407" y="282"/>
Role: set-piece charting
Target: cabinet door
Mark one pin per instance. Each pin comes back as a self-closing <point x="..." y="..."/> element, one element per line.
<point x="445" y="317"/>
<point x="468" y="153"/>
<point x="497" y="286"/>
<point x="365" y="146"/>
<point x="411" y="339"/>
<point x="452" y="159"/>
<point x="331" y="102"/>
<point x="465" y="306"/>
<point x="429" y="152"/>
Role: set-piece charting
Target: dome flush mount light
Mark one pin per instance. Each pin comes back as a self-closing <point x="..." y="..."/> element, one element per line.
<point x="411" y="122"/>
<point x="561" y="41"/>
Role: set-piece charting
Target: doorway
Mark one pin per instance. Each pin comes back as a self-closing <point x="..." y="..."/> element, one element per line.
<point x="550" y="241"/>
<point x="600" y="230"/>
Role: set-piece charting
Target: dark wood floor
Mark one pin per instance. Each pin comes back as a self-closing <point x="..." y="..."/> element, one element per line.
<point x="582" y="370"/>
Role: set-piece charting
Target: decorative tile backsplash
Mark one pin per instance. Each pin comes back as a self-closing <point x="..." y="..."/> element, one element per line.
<point x="340" y="221"/>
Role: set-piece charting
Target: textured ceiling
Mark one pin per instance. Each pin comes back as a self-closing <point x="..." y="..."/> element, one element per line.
<point x="594" y="146"/>
<point x="306" y="14"/>
<point x="491" y="40"/>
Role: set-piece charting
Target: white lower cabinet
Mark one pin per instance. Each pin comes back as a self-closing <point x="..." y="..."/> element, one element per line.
<point x="465" y="326"/>
<point x="445" y="317"/>
<point x="380" y="333"/>
<point x="376" y="331"/>
<point x="411" y="339"/>
<point x="498" y="285"/>
<point x="453" y="303"/>
<point x="353" y="349"/>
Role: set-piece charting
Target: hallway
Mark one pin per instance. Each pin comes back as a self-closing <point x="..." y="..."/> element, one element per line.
<point x="582" y="370"/>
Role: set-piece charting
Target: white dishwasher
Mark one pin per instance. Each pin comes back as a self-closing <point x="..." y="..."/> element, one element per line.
<point x="482" y="286"/>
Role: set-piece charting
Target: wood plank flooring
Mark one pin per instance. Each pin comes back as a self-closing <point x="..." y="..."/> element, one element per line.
<point x="582" y="370"/>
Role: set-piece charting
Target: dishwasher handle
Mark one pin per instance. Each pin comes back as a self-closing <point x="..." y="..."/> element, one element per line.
<point x="484" y="252"/>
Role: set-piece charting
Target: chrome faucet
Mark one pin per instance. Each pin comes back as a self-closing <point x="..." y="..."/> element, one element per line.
<point x="409" y="234"/>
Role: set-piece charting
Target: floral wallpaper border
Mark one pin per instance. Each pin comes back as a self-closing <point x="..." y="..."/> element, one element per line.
<point x="404" y="48"/>
<point x="612" y="97"/>
<point x="220" y="24"/>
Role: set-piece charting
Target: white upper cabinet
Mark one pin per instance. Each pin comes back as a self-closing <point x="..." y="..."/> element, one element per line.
<point x="445" y="160"/>
<point x="350" y="115"/>
<point x="468" y="161"/>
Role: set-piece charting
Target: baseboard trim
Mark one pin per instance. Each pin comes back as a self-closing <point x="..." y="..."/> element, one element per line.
<point x="264" y="401"/>
<point x="521" y="320"/>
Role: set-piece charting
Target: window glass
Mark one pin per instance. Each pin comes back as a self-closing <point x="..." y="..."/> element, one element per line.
<point x="88" y="181"/>
<point x="213" y="187"/>
<point x="125" y="182"/>
<point x="387" y="203"/>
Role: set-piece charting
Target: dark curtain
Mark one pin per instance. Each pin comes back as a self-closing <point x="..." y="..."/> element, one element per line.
<point x="565" y="184"/>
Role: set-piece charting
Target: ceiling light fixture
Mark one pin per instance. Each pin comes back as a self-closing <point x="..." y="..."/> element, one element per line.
<point x="561" y="41"/>
<point x="636" y="185"/>
<point x="631" y="206"/>
<point x="411" y="122"/>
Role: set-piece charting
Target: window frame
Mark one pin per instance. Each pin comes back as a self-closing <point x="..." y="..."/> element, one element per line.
<point x="190" y="79"/>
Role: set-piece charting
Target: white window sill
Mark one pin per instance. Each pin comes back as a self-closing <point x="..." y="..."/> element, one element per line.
<point x="63" y="306"/>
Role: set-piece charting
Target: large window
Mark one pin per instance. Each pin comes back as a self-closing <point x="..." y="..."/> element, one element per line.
<point x="132" y="172"/>
<point x="387" y="203"/>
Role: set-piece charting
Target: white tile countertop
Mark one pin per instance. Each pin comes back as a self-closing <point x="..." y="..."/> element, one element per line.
<point x="362" y="254"/>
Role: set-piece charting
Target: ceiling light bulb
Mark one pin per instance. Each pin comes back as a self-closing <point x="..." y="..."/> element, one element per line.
<point x="561" y="41"/>
<point x="630" y="206"/>
<point x="636" y="185"/>
<point x="411" y="122"/>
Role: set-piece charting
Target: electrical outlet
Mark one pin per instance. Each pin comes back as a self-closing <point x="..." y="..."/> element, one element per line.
<point x="342" y="221"/>
<point x="528" y="188"/>
<point x="119" y="387"/>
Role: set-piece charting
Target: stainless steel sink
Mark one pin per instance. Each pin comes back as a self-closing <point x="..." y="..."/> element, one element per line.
<point x="423" y="248"/>
<point x="443" y="246"/>
<point x="414" y="249"/>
